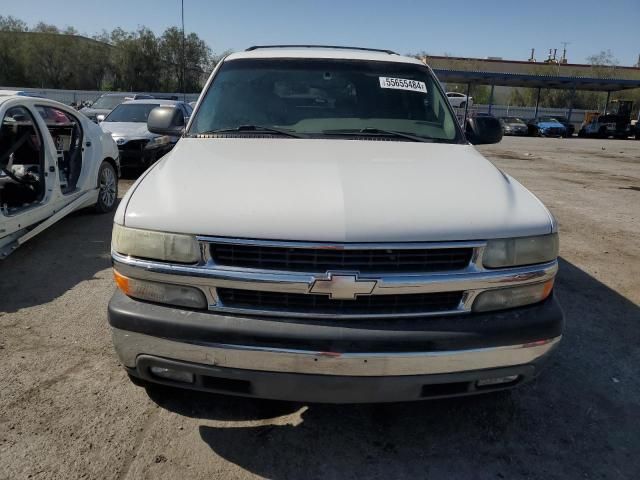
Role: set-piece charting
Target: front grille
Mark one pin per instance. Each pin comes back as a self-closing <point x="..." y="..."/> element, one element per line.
<point x="133" y="145"/>
<point x="320" y="260"/>
<point x="308" y="304"/>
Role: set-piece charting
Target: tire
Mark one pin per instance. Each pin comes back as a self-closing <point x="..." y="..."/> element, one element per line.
<point x="107" y="188"/>
<point x="603" y="133"/>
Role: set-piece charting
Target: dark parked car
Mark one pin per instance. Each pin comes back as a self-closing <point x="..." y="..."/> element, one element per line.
<point x="571" y="128"/>
<point x="546" y="127"/>
<point x="514" y="126"/>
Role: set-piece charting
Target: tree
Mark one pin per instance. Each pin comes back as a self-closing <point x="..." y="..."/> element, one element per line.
<point x="46" y="56"/>
<point x="12" y="24"/>
<point x="196" y="60"/>
<point x="136" y="60"/>
<point x="603" y="63"/>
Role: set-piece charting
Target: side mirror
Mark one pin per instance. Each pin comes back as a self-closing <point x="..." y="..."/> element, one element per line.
<point x="165" y="121"/>
<point x="483" y="130"/>
<point x="100" y="118"/>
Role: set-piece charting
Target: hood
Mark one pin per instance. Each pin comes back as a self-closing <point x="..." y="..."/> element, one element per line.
<point x="92" y="112"/>
<point x="331" y="190"/>
<point x="128" y="130"/>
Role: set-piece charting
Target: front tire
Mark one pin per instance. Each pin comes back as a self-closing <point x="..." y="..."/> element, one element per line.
<point x="107" y="188"/>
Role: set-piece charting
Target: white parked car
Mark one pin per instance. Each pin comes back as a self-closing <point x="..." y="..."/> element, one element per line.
<point x="324" y="231"/>
<point x="459" y="100"/>
<point x="53" y="161"/>
<point x="127" y="124"/>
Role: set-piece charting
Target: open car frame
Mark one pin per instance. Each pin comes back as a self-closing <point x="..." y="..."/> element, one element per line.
<point x="53" y="161"/>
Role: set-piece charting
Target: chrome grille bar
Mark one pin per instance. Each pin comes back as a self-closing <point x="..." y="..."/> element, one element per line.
<point x="209" y="277"/>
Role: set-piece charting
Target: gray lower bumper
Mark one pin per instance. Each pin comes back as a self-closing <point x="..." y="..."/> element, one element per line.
<point x="301" y="375"/>
<point x="130" y="345"/>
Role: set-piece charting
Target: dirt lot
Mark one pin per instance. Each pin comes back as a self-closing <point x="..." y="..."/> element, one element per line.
<point x="67" y="409"/>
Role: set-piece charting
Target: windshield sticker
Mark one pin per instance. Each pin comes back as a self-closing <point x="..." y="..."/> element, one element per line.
<point x="403" y="84"/>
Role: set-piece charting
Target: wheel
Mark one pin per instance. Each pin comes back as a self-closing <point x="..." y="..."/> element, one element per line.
<point x="602" y="133"/>
<point x="108" y="188"/>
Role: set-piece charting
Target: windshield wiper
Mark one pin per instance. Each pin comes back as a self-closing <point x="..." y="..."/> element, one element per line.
<point x="253" y="129"/>
<point x="379" y="131"/>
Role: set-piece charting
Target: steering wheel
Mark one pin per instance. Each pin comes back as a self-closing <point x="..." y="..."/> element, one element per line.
<point x="27" y="179"/>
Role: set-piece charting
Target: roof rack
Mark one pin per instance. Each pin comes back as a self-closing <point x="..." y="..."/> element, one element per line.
<point x="339" y="47"/>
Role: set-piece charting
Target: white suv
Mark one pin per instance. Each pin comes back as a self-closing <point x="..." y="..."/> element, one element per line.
<point x="323" y="231"/>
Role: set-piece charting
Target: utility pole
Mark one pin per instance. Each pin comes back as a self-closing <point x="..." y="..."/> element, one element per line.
<point x="184" y="92"/>
<point x="564" y="52"/>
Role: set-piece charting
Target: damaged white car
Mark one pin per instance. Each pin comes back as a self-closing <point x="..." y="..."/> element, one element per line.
<point x="53" y="161"/>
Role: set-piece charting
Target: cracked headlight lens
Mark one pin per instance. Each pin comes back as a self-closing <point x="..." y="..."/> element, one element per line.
<point x="512" y="252"/>
<point x="168" y="247"/>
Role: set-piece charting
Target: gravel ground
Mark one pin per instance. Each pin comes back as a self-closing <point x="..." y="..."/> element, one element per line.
<point x="67" y="409"/>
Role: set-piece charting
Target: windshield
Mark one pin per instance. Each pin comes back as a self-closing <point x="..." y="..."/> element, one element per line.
<point x="131" y="112"/>
<point x="548" y="119"/>
<point x="326" y="97"/>
<point x="108" y="101"/>
<point x="512" y="120"/>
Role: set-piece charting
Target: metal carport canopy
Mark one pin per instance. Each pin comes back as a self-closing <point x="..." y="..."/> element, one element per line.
<point x="535" y="81"/>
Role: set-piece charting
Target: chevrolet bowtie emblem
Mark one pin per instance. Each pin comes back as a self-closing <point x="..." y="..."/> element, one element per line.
<point x="342" y="287"/>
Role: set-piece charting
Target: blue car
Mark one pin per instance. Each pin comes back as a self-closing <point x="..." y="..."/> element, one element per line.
<point x="546" y="127"/>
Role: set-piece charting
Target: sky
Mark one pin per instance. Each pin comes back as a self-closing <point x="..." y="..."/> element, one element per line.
<point x="480" y="28"/>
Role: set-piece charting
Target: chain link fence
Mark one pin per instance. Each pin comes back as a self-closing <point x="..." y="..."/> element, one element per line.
<point x="77" y="96"/>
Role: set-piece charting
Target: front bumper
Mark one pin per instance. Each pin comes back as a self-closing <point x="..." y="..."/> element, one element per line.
<point x="517" y="132"/>
<point x="334" y="361"/>
<point x="142" y="156"/>
<point x="553" y="132"/>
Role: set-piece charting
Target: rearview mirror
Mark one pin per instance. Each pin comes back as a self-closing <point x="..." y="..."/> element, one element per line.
<point x="483" y="130"/>
<point x="165" y="121"/>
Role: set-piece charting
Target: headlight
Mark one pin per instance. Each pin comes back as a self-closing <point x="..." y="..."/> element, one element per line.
<point x="512" y="252"/>
<point x="168" y="247"/>
<point x="503" y="298"/>
<point x="157" y="141"/>
<point x="170" y="294"/>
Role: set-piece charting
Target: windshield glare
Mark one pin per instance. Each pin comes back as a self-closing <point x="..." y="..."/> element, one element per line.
<point x="108" y="101"/>
<point x="316" y="97"/>
<point x="512" y="120"/>
<point x="131" y="112"/>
